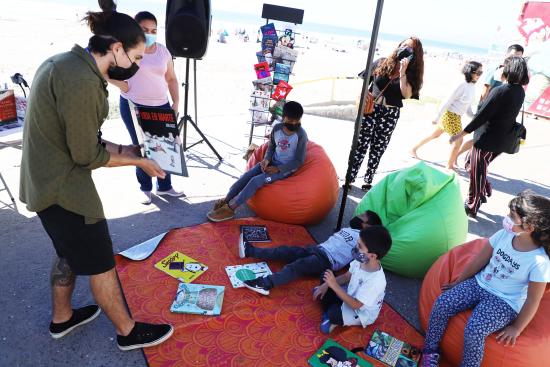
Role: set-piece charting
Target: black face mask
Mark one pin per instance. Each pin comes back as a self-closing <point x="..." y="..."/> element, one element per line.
<point x="292" y="127"/>
<point x="356" y="223"/>
<point x="405" y="52"/>
<point x="120" y="73"/>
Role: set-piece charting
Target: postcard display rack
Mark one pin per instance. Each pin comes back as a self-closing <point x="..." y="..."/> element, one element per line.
<point x="276" y="61"/>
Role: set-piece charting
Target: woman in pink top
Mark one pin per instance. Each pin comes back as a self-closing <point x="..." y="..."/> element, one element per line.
<point x="150" y="87"/>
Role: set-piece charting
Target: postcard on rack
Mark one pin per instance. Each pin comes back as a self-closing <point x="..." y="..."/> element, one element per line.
<point x="181" y="267"/>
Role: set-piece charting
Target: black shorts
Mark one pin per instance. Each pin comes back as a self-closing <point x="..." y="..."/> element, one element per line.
<point x="86" y="247"/>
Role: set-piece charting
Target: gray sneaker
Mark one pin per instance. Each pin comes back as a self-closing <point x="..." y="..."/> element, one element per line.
<point x="146" y="197"/>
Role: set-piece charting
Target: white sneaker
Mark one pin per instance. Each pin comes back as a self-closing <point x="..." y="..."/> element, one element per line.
<point x="242" y="247"/>
<point x="146" y="198"/>
<point x="171" y="192"/>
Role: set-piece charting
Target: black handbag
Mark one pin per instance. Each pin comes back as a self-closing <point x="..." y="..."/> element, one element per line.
<point x="515" y="136"/>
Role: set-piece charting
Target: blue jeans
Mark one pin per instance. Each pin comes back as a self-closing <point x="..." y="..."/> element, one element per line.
<point x="247" y="185"/>
<point x="145" y="181"/>
<point x="490" y="313"/>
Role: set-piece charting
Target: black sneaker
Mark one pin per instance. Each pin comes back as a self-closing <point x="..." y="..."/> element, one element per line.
<point x="366" y="187"/>
<point x="79" y="317"/>
<point x="261" y="285"/>
<point x="144" y="335"/>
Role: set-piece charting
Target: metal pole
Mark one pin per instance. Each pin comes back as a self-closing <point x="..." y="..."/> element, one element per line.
<point x="372" y="48"/>
<point x="195" y="88"/>
<point x="185" y="100"/>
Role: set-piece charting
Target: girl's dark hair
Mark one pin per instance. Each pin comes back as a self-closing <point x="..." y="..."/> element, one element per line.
<point x="534" y="210"/>
<point x="515" y="70"/>
<point x="415" y="70"/>
<point x="293" y="110"/>
<point x="145" y="15"/>
<point x="373" y="219"/>
<point x="377" y="239"/>
<point x="110" y="26"/>
<point x="469" y="68"/>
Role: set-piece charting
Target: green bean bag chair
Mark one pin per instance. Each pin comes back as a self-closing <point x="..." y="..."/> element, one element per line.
<point x="423" y="209"/>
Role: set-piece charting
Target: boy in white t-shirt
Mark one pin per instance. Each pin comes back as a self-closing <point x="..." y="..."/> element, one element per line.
<point x="355" y="298"/>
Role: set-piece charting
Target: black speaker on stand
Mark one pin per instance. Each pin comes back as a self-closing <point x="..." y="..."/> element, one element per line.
<point x="187" y="34"/>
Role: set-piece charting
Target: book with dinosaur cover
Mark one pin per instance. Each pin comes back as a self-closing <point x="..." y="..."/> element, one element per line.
<point x="392" y="351"/>
<point x="181" y="267"/>
<point x="333" y="354"/>
<point x="200" y="299"/>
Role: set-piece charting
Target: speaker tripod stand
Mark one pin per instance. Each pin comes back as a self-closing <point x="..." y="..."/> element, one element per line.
<point x="186" y="118"/>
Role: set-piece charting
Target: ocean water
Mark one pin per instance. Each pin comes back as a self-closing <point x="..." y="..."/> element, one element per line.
<point x="224" y="16"/>
<point x="218" y="16"/>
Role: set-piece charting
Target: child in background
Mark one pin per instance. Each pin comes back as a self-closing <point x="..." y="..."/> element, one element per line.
<point x="355" y="298"/>
<point x="285" y="155"/>
<point x="458" y="103"/>
<point x="334" y="253"/>
<point x="504" y="283"/>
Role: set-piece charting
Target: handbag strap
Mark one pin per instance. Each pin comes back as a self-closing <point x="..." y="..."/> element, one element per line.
<point x="383" y="90"/>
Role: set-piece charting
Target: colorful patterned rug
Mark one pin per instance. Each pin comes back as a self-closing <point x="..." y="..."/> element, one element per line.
<point x="281" y="329"/>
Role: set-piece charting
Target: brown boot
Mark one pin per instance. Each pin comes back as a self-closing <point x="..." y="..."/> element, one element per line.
<point x="219" y="203"/>
<point x="221" y="214"/>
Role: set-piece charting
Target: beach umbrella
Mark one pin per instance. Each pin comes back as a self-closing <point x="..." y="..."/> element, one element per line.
<point x="370" y="56"/>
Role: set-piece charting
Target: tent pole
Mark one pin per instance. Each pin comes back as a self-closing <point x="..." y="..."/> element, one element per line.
<point x="372" y="48"/>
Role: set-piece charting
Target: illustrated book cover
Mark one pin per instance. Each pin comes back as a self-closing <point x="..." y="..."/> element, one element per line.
<point x="160" y="140"/>
<point x="333" y="354"/>
<point x="392" y="351"/>
<point x="181" y="267"/>
<point x="200" y="299"/>
<point x="239" y="273"/>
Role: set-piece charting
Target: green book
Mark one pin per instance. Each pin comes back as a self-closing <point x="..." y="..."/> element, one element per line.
<point x="333" y="354"/>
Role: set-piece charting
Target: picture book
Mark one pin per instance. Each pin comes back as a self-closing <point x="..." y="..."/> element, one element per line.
<point x="287" y="38"/>
<point x="255" y="234"/>
<point x="281" y="91"/>
<point x="262" y="70"/>
<point x="259" y="100"/>
<point x="285" y="55"/>
<point x="281" y="72"/>
<point x="200" y="299"/>
<point x="260" y="117"/>
<point x="239" y="273"/>
<point x="181" y="267"/>
<point x="160" y="141"/>
<point x="269" y="37"/>
<point x="333" y="354"/>
<point x="263" y="84"/>
<point x="392" y="351"/>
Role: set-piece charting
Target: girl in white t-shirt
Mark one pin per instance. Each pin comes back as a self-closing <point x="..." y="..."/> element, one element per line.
<point x="355" y="298"/>
<point x="503" y="284"/>
<point x="448" y="119"/>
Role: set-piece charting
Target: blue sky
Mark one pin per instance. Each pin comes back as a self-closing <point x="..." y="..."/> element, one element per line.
<point x="467" y="22"/>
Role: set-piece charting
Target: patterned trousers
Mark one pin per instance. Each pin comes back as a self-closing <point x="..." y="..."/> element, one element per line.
<point x="374" y="135"/>
<point x="490" y="313"/>
<point x="480" y="186"/>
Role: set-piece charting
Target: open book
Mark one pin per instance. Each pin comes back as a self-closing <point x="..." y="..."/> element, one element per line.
<point x="158" y="135"/>
<point x="392" y="351"/>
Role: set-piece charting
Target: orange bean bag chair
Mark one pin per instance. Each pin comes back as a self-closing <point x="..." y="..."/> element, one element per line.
<point x="306" y="197"/>
<point x="531" y="347"/>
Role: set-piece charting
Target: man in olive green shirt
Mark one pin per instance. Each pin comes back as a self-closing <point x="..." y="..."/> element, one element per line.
<point x="61" y="146"/>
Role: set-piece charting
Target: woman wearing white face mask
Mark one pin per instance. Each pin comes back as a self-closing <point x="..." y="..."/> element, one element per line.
<point x="503" y="284"/>
<point x="150" y="87"/>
